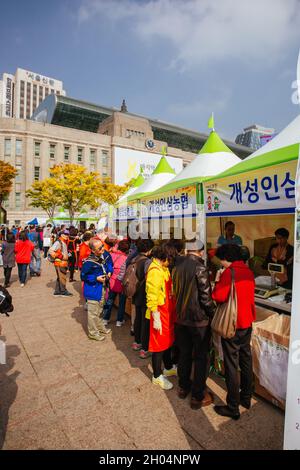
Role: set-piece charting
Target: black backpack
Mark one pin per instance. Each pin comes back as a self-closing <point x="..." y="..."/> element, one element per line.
<point x="6" y="305"/>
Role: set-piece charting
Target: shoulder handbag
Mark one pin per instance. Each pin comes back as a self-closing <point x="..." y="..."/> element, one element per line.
<point x="225" y="317"/>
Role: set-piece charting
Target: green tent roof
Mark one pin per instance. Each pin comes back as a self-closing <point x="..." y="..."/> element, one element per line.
<point x="139" y="181"/>
<point x="163" y="167"/>
<point x="214" y="144"/>
<point x="274" y="157"/>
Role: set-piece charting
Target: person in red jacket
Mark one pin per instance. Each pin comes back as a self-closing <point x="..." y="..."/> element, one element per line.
<point x="23" y="249"/>
<point x="236" y="350"/>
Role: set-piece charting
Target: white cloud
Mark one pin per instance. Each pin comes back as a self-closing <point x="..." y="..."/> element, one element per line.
<point x="204" y="31"/>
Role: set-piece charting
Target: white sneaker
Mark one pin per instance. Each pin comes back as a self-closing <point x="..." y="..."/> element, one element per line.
<point x="162" y="382"/>
<point x="120" y="323"/>
<point x="22" y="285"/>
<point x="105" y="322"/>
<point x="170" y="372"/>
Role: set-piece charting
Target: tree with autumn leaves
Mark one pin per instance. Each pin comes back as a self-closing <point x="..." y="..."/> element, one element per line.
<point x="74" y="188"/>
<point x="7" y="175"/>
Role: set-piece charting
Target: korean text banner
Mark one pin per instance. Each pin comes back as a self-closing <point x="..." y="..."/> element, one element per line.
<point x="176" y="203"/>
<point x="263" y="191"/>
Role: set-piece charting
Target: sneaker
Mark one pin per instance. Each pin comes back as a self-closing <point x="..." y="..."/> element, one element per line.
<point x="96" y="337"/>
<point x="22" y="285"/>
<point x="105" y="331"/>
<point x="38" y="274"/>
<point x="170" y="372"/>
<point x="105" y="322"/>
<point x="131" y="331"/>
<point x="86" y="306"/>
<point x="57" y="293"/>
<point x="136" y="346"/>
<point x="144" y="354"/>
<point x="67" y="294"/>
<point x="120" y="323"/>
<point x="162" y="382"/>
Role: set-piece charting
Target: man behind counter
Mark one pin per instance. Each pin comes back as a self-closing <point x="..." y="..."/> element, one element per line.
<point x="230" y="237"/>
<point x="282" y="253"/>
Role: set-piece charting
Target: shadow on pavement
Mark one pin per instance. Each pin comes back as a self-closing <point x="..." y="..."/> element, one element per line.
<point x="8" y="388"/>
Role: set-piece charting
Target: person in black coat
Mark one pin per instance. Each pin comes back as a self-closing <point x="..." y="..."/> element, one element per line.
<point x="194" y="310"/>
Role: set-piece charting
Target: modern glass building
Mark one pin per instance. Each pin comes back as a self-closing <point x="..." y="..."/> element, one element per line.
<point x="251" y="137"/>
<point x="76" y="114"/>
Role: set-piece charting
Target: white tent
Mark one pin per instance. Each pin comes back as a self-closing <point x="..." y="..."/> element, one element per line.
<point x="214" y="158"/>
<point x="162" y="174"/>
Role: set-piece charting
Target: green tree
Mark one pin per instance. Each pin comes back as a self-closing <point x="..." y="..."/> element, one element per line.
<point x="44" y="194"/>
<point x="7" y="175"/>
<point x="77" y="188"/>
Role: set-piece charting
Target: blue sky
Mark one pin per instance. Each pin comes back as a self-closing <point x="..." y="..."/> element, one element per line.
<point x="173" y="60"/>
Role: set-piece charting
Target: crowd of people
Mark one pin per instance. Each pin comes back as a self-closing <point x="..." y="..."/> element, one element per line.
<point x="172" y="296"/>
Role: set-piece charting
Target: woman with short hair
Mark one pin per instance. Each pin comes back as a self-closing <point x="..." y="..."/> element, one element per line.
<point x="23" y="250"/>
<point x="236" y="350"/>
<point x="8" y="256"/>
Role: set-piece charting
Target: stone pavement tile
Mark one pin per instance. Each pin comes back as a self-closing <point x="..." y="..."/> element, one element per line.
<point x="85" y="410"/>
<point x="143" y="413"/>
<point x="60" y="394"/>
<point x="93" y="374"/>
<point x="41" y="350"/>
<point x="21" y="399"/>
<point x="255" y="427"/>
<point x="43" y="431"/>
<point x="106" y="435"/>
<point x="54" y="370"/>
<point x="129" y="381"/>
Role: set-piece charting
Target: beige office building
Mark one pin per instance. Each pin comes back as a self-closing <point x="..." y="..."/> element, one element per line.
<point x="22" y="93"/>
<point x="34" y="147"/>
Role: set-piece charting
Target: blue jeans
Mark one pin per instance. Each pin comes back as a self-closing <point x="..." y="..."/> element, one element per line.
<point x="22" y="270"/>
<point x="35" y="263"/>
<point x="109" y="304"/>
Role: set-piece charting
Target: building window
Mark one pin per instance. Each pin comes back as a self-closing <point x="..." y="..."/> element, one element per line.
<point x="36" y="173"/>
<point x="104" y="158"/>
<point x="18" y="147"/>
<point x="18" y="200"/>
<point x="22" y="111"/>
<point x="46" y="92"/>
<point x="28" y="99"/>
<point x="34" y="98"/>
<point x="37" y="149"/>
<point x="52" y="91"/>
<point x="18" y="178"/>
<point x="52" y="151"/>
<point x="22" y="89"/>
<point x="104" y="162"/>
<point x="40" y="94"/>
<point x="66" y="153"/>
<point x="79" y="154"/>
<point x="58" y="92"/>
<point x="92" y="156"/>
<point x="7" y="147"/>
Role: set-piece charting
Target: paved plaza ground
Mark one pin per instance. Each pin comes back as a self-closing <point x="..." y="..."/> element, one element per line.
<point x="60" y="390"/>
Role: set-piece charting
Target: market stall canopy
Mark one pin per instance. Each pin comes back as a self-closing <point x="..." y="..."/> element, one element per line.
<point x="283" y="148"/>
<point x="264" y="183"/>
<point x="213" y="158"/>
<point x="138" y="182"/>
<point x="37" y="221"/>
<point x="162" y="174"/>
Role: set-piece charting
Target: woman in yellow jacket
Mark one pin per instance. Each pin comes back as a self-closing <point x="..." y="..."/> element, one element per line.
<point x="161" y="312"/>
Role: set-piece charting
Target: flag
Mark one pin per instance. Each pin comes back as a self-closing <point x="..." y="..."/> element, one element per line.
<point x="211" y="122"/>
<point x="164" y="151"/>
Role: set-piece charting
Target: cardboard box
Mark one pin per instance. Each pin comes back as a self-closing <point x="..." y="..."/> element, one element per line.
<point x="262" y="392"/>
<point x="270" y="346"/>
